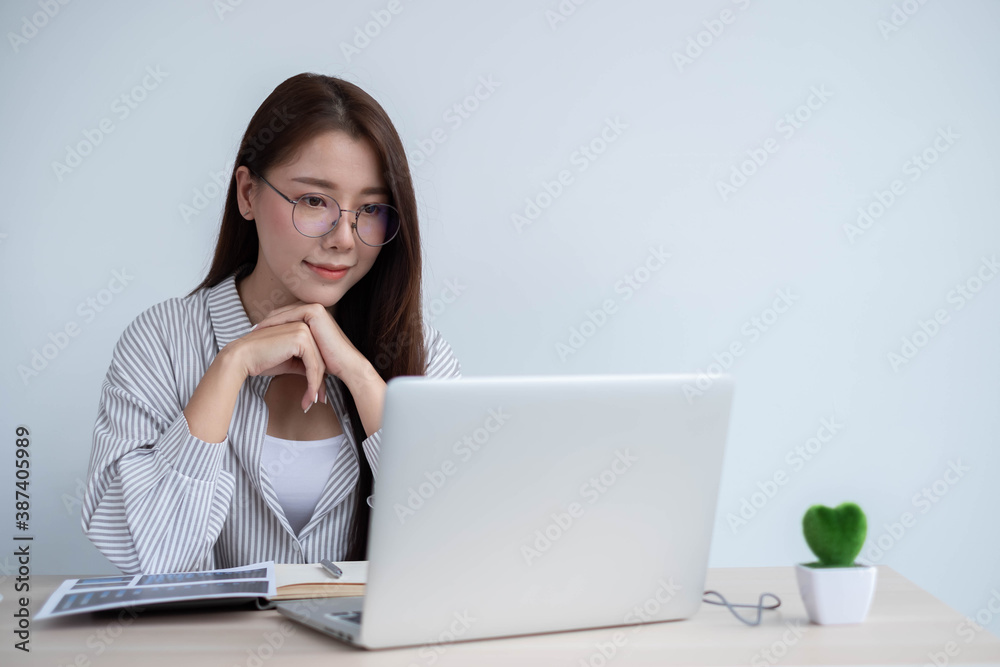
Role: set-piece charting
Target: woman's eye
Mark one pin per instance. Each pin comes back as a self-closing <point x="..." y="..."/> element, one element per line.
<point x="316" y="202"/>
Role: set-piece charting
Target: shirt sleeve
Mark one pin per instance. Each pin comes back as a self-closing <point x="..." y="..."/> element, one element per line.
<point x="156" y="496"/>
<point x="441" y="363"/>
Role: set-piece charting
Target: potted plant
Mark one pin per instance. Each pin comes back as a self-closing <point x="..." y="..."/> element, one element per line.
<point x="835" y="589"/>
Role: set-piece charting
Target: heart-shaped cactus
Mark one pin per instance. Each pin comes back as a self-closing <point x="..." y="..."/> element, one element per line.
<point x="835" y="534"/>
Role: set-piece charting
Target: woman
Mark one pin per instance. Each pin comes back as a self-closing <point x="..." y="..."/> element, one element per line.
<point x="241" y="423"/>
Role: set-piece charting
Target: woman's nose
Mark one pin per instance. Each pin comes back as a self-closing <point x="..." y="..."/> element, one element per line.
<point x="342" y="235"/>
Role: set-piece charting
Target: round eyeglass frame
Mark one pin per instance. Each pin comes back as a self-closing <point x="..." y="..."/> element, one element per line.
<point x="354" y="225"/>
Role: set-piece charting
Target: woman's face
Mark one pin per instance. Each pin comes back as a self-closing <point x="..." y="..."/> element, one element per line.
<point x="333" y="164"/>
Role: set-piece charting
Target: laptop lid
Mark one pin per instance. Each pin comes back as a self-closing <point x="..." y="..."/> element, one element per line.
<point x="527" y="504"/>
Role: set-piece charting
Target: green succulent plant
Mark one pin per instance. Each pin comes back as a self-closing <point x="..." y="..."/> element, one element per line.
<point x="835" y="534"/>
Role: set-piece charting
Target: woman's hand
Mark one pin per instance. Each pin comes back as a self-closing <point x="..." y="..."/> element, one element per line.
<point x="332" y="351"/>
<point x="339" y="356"/>
<point x="278" y="349"/>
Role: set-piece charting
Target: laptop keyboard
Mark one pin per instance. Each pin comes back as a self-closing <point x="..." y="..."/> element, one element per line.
<point x="349" y="616"/>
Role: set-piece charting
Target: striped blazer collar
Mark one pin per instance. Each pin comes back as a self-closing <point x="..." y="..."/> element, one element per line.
<point x="229" y="319"/>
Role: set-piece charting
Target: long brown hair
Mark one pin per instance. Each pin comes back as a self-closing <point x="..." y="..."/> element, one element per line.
<point x="380" y="314"/>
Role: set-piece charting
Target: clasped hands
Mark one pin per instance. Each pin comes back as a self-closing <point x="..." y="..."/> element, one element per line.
<point x="303" y="338"/>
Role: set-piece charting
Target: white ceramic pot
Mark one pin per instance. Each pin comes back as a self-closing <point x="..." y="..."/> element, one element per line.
<point x="837" y="595"/>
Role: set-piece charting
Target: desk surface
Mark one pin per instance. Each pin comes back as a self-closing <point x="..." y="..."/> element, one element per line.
<point x="906" y="625"/>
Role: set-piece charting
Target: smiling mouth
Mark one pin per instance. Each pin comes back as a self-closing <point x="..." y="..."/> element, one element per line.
<point x="329" y="268"/>
<point x="324" y="272"/>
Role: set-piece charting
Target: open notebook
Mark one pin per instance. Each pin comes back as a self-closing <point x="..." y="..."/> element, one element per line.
<point x="310" y="580"/>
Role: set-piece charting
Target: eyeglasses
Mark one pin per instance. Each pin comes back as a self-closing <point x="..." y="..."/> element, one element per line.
<point x="315" y="214"/>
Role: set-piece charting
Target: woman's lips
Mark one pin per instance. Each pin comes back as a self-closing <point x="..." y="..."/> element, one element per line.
<point x="327" y="273"/>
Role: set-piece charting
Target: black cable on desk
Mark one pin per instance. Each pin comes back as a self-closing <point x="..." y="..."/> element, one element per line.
<point x="759" y="606"/>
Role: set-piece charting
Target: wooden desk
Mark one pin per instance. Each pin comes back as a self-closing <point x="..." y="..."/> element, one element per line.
<point x="906" y="625"/>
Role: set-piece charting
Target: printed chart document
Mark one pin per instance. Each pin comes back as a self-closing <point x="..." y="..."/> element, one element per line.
<point x="264" y="583"/>
<point x="76" y="596"/>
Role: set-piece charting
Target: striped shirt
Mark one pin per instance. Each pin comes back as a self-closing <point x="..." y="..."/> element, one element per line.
<point x="159" y="499"/>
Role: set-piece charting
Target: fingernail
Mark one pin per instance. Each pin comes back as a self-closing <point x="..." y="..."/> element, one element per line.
<point x="315" y="398"/>
<point x="253" y="327"/>
<point x="307" y="409"/>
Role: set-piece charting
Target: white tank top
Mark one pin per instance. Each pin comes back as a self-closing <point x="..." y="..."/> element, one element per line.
<point x="298" y="470"/>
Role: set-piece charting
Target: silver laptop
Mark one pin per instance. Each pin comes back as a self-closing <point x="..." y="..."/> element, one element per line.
<point x="529" y="504"/>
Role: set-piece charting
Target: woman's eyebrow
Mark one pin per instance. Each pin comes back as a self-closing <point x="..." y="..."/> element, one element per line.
<point x="309" y="180"/>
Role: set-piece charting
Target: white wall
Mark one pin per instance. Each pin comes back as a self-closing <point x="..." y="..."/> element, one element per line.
<point x="886" y="94"/>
